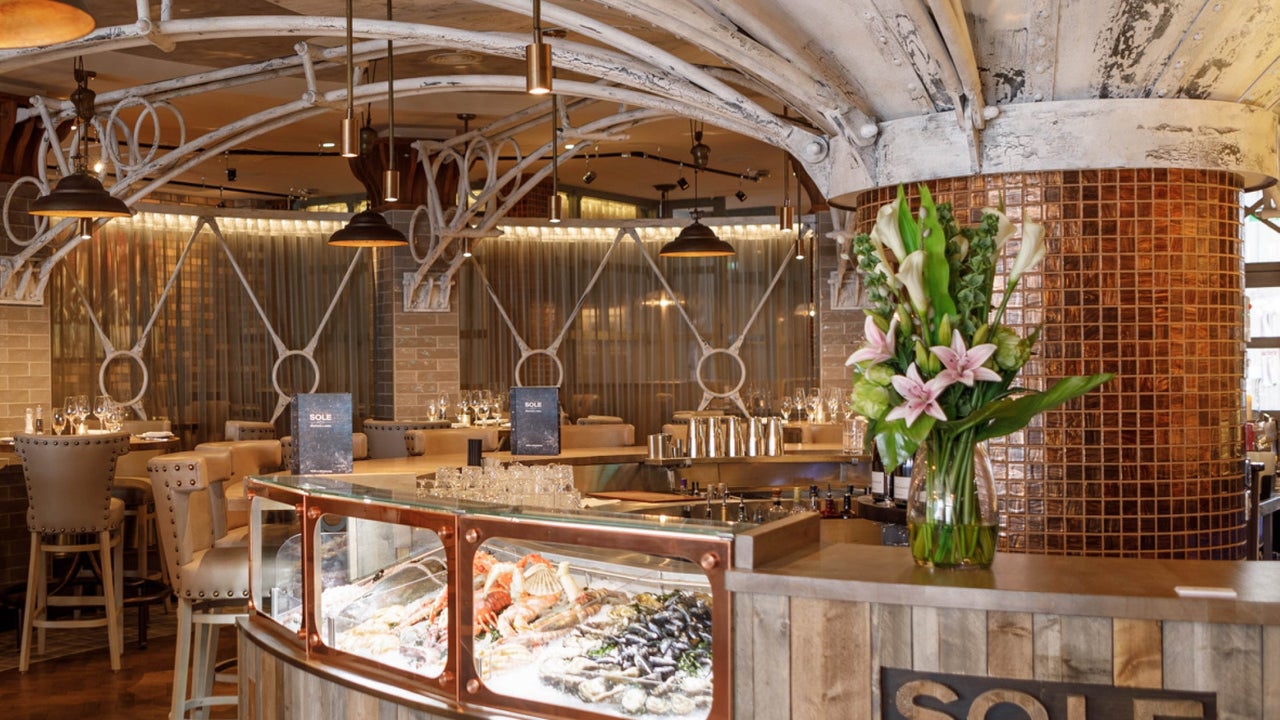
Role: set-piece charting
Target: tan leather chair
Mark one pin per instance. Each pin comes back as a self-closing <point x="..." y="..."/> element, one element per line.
<point x="359" y="449"/>
<point x="137" y="427"/>
<point x="69" y="493"/>
<point x="211" y="583"/>
<point x="597" y="436"/>
<point x="246" y="458"/>
<point x="248" y="430"/>
<point x="451" y="441"/>
<point x="134" y="487"/>
<point x="387" y="437"/>
<point x="599" y="420"/>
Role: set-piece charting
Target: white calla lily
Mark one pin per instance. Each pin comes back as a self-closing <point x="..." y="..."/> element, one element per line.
<point x="1005" y="228"/>
<point x="911" y="274"/>
<point x="1030" y="253"/>
<point x="886" y="233"/>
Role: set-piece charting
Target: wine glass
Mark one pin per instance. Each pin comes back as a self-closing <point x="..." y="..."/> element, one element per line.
<point x="101" y="406"/>
<point x="81" y="404"/>
<point x="785" y="406"/>
<point x="444" y="406"/>
<point x="59" y="421"/>
<point x="484" y="405"/>
<point x="69" y="410"/>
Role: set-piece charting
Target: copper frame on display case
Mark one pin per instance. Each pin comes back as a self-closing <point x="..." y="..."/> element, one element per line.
<point x="463" y="528"/>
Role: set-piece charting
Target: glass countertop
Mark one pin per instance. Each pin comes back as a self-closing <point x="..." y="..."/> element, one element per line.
<point x="325" y="486"/>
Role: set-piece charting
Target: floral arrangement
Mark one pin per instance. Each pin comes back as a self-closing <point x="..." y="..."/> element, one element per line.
<point x="938" y="365"/>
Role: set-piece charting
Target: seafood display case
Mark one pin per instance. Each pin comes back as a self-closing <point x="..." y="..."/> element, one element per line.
<point x="566" y="613"/>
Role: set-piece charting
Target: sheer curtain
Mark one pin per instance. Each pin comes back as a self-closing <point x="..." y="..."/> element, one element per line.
<point x="212" y="351"/>
<point x="630" y="351"/>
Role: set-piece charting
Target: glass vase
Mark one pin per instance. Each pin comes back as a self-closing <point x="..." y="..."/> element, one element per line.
<point x="951" y="506"/>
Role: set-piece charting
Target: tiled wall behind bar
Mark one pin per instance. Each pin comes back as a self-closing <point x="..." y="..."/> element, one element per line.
<point x="1143" y="278"/>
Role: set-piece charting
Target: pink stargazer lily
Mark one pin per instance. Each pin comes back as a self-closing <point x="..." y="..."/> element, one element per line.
<point x="880" y="346"/>
<point x="964" y="365"/>
<point x="919" y="397"/>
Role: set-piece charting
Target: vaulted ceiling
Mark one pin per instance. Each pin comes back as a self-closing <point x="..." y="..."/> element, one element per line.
<point x="861" y="92"/>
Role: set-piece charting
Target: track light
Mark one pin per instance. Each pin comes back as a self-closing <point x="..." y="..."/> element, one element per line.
<point x="537" y="58"/>
<point x="742" y="197"/>
<point x="682" y="183"/>
<point x="589" y="177"/>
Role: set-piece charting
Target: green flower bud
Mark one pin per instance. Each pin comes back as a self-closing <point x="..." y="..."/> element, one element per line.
<point x="980" y="335"/>
<point x="871" y="400"/>
<point x="1011" y="351"/>
<point x="944" y="330"/>
<point x="904" y="317"/>
<point x="880" y="374"/>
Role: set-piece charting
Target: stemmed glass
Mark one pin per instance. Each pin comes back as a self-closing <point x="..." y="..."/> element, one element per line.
<point x="484" y="404"/>
<point x="815" y="405"/>
<point x="785" y="406"/>
<point x="101" y="406"/>
<point x="444" y="406"/>
<point x="69" y="410"/>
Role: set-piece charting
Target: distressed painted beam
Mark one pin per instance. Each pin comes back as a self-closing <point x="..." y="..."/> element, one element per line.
<point x="1074" y="134"/>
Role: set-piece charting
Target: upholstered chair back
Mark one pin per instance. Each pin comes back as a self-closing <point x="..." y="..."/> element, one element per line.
<point x="181" y="484"/>
<point x="248" y="430"/>
<point x="450" y="441"/>
<point x="595" y="436"/>
<point x="387" y="437"/>
<point x="69" y="480"/>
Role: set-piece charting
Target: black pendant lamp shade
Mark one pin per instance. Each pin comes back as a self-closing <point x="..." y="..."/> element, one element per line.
<point x="368" y="229"/>
<point x="35" y="23"/>
<point x="696" y="240"/>
<point x="79" y="195"/>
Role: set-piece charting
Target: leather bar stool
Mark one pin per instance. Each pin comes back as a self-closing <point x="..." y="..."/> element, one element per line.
<point x="211" y="583"/>
<point x="69" y="497"/>
<point x="247" y="457"/>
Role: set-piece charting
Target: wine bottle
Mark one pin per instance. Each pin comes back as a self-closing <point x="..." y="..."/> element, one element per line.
<point x="878" y="489"/>
<point x="39" y="419"/>
<point x="902" y="483"/>
<point x="846" y="510"/>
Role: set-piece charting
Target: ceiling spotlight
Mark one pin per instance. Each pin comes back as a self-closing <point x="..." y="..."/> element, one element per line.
<point x="231" y="174"/>
<point x="800" y="246"/>
<point x="466" y="247"/>
<point x="350" y="135"/>
<point x="328" y="145"/>
<point x="682" y="183"/>
<point x="742" y="197"/>
<point x="589" y="177"/>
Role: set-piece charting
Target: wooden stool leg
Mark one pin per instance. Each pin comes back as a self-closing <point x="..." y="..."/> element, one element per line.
<point x="182" y="660"/>
<point x="111" y="600"/>
<point x="29" y="603"/>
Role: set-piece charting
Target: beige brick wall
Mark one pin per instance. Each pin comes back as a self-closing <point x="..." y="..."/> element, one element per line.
<point x="25" y="371"/>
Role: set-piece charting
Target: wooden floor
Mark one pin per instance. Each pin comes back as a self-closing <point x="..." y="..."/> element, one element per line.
<point x="83" y="686"/>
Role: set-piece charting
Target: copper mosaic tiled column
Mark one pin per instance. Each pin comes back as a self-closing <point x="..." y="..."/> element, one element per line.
<point x="1144" y="278"/>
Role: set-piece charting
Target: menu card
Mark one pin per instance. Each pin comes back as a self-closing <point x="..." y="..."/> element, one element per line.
<point x="535" y="421"/>
<point x="321" y="433"/>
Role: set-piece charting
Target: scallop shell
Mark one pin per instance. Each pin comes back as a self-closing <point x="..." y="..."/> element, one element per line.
<point x="540" y="579"/>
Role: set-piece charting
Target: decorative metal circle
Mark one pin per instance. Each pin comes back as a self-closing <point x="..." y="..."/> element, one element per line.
<point x="742" y="372"/>
<point x="554" y="360"/>
<point x="136" y="358"/>
<point x="275" y="370"/>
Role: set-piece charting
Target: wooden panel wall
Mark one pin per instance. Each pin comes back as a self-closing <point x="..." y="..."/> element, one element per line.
<point x="809" y="659"/>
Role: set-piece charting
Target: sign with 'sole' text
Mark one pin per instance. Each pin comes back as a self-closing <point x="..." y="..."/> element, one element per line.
<point x="912" y="695"/>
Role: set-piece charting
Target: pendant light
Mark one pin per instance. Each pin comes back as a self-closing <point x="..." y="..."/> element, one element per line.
<point x="696" y="239"/>
<point x="350" y="140"/>
<point x="786" y="214"/>
<point x="80" y="194"/>
<point x="391" y="176"/>
<point x="554" y="209"/>
<point x="35" y="23"/>
<point x="537" y="58"/>
<point x="368" y="229"/>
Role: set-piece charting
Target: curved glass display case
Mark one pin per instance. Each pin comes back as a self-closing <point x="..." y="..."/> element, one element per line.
<point x="567" y="613"/>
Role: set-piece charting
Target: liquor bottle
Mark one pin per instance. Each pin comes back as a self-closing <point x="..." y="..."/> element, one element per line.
<point x="829" y="506"/>
<point x="39" y="419"/>
<point x="878" y="489"/>
<point x="796" y="506"/>
<point x="902" y="483"/>
<point x="814" y="504"/>
<point x="708" y="506"/>
<point x="846" y="511"/>
<point x="776" y="511"/>
<point x="742" y="509"/>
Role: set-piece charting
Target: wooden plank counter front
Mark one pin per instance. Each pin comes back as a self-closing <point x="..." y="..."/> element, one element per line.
<point x="813" y="631"/>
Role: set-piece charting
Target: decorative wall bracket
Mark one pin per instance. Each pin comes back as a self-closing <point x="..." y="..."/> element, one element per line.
<point x="22" y="282"/>
<point x="428" y="292"/>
